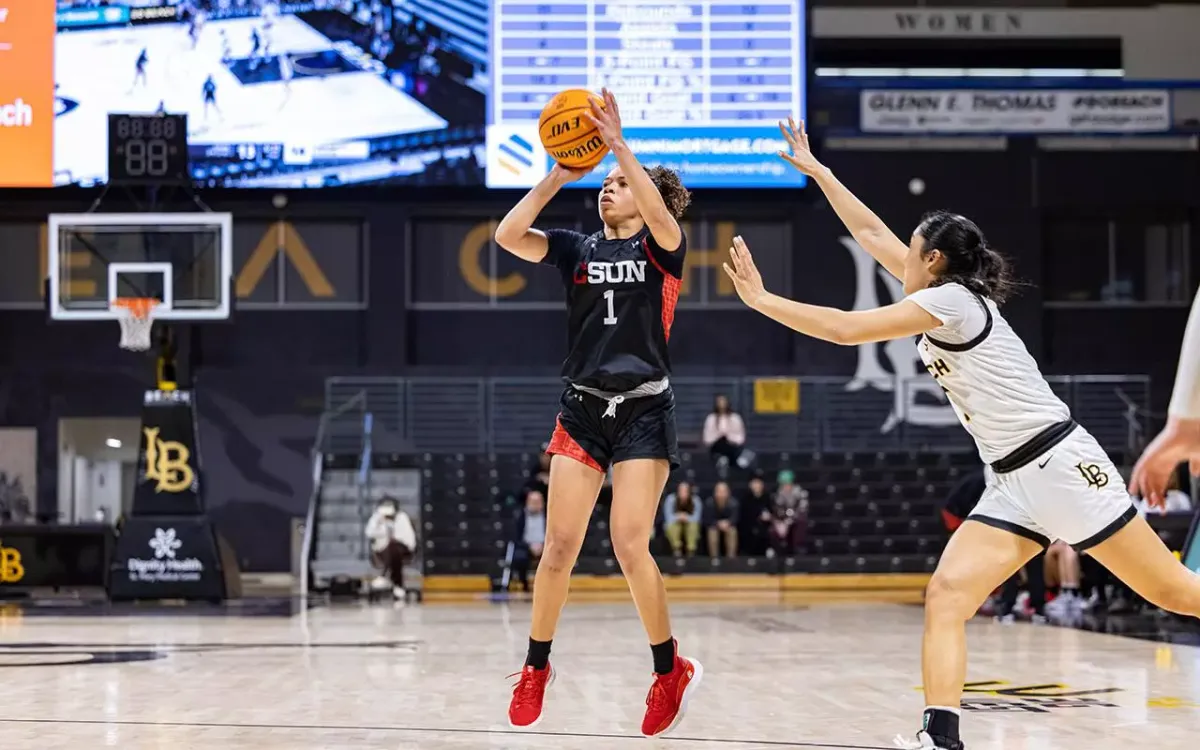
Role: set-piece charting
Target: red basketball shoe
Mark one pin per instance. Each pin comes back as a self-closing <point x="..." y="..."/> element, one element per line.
<point x="669" y="695"/>
<point x="525" y="710"/>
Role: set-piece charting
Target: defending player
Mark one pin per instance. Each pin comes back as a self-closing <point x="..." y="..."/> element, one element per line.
<point x="617" y="410"/>
<point x="140" y="69"/>
<point x="209" y="91"/>
<point x="1047" y="478"/>
<point x="1180" y="439"/>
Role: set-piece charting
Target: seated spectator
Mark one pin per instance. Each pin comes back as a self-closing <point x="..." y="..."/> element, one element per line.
<point x="393" y="542"/>
<point x="789" y="516"/>
<point x="539" y="473"/>
<point x="755" y="514"/>
<point x="1063" y="570"/>
<point x="529" y="536"/>
<point x="681" y="520"/>
<point x="721" y="517"/>
<point x="725" y="436"/>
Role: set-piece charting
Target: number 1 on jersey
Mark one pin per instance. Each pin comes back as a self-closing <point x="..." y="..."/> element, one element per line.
<point x="611" y="320"/>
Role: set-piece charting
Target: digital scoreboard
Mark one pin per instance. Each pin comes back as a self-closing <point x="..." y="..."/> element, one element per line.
<point x="702" y="84"/>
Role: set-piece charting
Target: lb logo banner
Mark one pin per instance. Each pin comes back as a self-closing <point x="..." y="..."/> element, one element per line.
<point x="26" y="93"/>
<point x="11" y="569"/>
<point x="167" y="463"/>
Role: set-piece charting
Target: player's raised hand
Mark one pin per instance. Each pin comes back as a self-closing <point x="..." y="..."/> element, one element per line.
<point x="606" y="116"/>
<point x="741" y="269"/>
<point x="566" y="175"/>
<point x="1178" y="442"/>
<point x="801" y="156"/>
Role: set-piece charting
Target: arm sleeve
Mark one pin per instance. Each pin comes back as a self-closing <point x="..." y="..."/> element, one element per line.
<point x="735" y="510"/>
<point x="696" y="508"/>
<point x="710" y="429"/>
<point x="671" y="263"/>
<point x="564" y="246"/>
<point x="1185" y="400"/>
<point x="669" y="508"/>
<point x="952" y="304"/>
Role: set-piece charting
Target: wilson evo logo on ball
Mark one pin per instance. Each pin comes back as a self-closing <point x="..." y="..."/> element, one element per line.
<point x="567" y="134"/>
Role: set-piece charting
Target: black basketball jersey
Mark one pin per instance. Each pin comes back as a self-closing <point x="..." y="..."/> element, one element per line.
<point x="621" y="297"/>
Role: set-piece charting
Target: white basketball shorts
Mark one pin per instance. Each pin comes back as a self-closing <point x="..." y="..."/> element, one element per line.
<point x="1072" y="492"/>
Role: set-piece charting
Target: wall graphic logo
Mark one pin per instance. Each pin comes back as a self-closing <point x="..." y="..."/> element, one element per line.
<point x="167" y="463"/>
<point x="918" y="401"/>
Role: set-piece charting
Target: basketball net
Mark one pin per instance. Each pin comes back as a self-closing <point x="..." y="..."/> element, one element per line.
<point x="136" y="318"/>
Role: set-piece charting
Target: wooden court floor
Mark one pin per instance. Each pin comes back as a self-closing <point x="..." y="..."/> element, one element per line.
<point x="820" y="676"/>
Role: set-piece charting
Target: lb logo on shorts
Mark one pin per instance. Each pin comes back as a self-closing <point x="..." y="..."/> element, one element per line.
<point x="11" y="569"/>
<point x="1092" y="474"/>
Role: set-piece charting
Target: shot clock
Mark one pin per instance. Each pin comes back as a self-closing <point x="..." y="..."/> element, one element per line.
<point x="147" y="149"/>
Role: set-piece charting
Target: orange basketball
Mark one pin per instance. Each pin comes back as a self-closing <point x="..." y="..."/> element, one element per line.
<point x="570" y="138"/>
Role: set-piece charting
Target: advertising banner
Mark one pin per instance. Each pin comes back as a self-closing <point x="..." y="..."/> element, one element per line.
<point x="1015" y="111"/>
<point x="26" y="94"/>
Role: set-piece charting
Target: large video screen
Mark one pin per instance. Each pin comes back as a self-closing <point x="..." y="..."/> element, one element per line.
<point x="327" y="93"/>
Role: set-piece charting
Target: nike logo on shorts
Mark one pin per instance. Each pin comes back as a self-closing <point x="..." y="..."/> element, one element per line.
<point x="1042" y="465"/>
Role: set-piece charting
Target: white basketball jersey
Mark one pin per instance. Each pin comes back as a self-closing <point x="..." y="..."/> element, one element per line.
<point x="992" y="382"/>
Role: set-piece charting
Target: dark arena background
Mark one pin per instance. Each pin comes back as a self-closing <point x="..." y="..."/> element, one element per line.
<point x="187" y="555"/>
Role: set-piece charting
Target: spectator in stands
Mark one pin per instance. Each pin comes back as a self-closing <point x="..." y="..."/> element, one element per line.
<point x="1063" y="570"/>
<point x="681" y="520"/>
<point x="721" y="517"/>
<point x="393" y="542"/>
<point x="725" y="436"/>
<point x="539" y="473"/>
<point x="789" y="522"/>
<point x="529" y="536"/>
<point x="756" y="515"/>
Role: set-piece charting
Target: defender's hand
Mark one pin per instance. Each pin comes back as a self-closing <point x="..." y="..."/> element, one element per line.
<point x="746" y="278"/>
<point x="801" y="156"/>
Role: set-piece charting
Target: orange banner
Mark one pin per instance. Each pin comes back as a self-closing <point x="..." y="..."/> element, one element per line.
<point x="27" y="93"/>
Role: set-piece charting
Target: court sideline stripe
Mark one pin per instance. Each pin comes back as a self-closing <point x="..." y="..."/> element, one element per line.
<point x="445" y="730"/>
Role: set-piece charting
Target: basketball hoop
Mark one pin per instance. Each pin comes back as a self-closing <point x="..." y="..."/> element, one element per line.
<point x="136" y="318"/>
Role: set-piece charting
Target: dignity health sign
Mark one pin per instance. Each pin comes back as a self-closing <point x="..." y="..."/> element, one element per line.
<point x="27" y="93"/>
<point x="1017" y="111"/>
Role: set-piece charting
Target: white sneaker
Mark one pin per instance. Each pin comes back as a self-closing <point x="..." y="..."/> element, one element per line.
<point x="400" y="594"/>
<point x="381" y="583"/>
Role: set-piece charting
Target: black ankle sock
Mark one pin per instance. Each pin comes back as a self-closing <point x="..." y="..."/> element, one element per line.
<point x="1070" y="590"/>
<point x="664" y="656"/>
<point x="941" y="724"/>
<point x="539" y="654"/>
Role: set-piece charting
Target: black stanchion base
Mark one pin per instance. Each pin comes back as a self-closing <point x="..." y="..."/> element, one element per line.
<point x="167" y="557"/>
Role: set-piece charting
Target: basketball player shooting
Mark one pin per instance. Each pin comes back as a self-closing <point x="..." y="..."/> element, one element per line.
<point x="1047" y="478"/>
<point x="1180" y="439"/>
<point x="617" y="409"/>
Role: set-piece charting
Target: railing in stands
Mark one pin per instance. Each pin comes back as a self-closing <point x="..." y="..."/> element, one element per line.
<point x="507" y="414"/>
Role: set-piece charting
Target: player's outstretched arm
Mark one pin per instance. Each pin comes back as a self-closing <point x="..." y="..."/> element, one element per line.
<point x="905" y="318"/>
<point x="1180" y="439"/>
<point x="650" y="204"/>
<point x="867" y="229"/>
<point x="516" y="234"/>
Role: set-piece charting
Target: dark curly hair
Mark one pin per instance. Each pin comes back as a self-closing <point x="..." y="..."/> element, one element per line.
<point x="970" y="261"/>
<point x="671" y="188"/>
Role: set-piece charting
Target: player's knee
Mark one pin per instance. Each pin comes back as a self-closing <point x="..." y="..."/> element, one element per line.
<point x="1179" y="594"/>
<point x="561" y="548"/>
<point x="946" y="597"/>
<point x="630" y="543"/>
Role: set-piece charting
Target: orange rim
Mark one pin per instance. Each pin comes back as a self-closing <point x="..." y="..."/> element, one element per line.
<point x="138" y="307"/>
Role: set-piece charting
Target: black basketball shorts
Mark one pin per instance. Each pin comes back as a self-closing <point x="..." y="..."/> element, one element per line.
<point x="640" y="428"/>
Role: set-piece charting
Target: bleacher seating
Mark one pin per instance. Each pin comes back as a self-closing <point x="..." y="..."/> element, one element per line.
<point x="869" y="512"/>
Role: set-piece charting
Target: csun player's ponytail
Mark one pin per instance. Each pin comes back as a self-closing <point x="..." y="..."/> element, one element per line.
<point x="671" y="188"/>
<point x="969" y="260"/>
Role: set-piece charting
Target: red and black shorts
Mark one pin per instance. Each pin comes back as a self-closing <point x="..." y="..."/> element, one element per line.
<point x="641" y="428"/>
